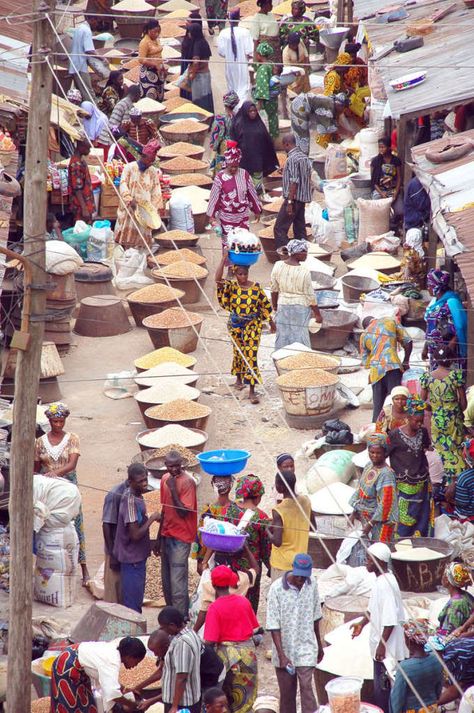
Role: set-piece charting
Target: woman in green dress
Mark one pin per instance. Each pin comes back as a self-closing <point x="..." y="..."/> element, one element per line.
<point x="56" y="455"/>
<point x="460" y="605"/>
<point x="445" y="392"/>
<point x="221" y="131"/>
<point x="249" y="309"/>
<point x="264" y="94"/>
<point x="375" y="500"/>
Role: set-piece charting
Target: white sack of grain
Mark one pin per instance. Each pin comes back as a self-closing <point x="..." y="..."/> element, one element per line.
<point x="61" y="258"/>
<point x="374" y="217"/>
<point x="58" y="590"/>
<point x="332" y="467"/>
<point x="56" y="502"/>
<point x="57" y="549"/>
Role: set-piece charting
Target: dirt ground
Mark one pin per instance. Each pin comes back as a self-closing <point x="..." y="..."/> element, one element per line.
<point x="108" y="428"/>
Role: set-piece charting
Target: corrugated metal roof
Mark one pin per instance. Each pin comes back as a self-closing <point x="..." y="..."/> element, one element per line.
<point x="16" y="29"/>
<point x="446" y="56"/>
<point x="455" y="229"/>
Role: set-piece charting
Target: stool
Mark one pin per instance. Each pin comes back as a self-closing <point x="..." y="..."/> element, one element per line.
<point x="102" y="316"/>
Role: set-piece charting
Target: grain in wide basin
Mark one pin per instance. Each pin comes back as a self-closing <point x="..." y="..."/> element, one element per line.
<point x="307" y="360"/>
<point x="307" y="378"/>
<point x="183" y="270"/>
<point x="179" y="410"/>
<point x="155" y="294"/>
<point x="172" y="318"/>
<point x="164" y="354"/>
<point x="168" y="391"/>
<point x="171" y="434"/>
<point x="180" y="255"/>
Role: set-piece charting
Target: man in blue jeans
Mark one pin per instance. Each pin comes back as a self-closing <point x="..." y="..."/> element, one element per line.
<point x="132" y="539"/>
<point x="178" y="529"/>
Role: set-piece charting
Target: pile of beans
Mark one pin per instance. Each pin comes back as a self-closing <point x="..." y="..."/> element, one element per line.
<point x="179" y="255"/>
<point x="184" y="164"/>
<point x="182" y="269"/>
<point x="179" y="410"/>
<point x="158" y="356"/>
<point x="173" y="318"/>
<point x="308" y="360"/>
<point x="307" y="377"/>
<point x="155" y="293"/>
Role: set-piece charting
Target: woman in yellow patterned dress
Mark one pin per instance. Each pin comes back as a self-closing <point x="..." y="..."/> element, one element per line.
<point x="249" y="308"/>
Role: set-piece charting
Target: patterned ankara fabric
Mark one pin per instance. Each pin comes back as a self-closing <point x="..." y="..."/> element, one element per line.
<point x="232" y="198"/>
<point x="375" y="500"/>
<point x="79" y="179"/>
<point x="71" y="690"/>
<point x="378" y="347"/>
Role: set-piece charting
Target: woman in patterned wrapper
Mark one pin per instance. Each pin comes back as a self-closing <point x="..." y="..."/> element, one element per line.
<point x="56" y="455"/>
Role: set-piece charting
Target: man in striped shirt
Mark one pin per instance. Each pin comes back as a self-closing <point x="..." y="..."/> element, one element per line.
<point x="132" y="540"/>
<point x="297" y="191"/>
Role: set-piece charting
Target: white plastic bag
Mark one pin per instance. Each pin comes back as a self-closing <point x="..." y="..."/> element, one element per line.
<point x="57" y="549"/>
<point x="181" y="213"/>
<point x="120" y="385"/>
<point x="336" y="162"/>
<point x="130" y="270"/>
<point x="332" y="467"/>
<point x="387" y="242"/>
<point x="61" y="258"/>
<point x="58" y="590"/>
<point x="338" y="195"/>
<point x="56" y="502"/>
<point x="98" y="242"/>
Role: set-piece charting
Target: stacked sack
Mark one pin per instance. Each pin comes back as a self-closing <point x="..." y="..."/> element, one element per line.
<point x="56" y="503"/>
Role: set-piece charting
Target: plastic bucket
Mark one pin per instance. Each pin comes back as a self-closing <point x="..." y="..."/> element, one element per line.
<point x="344" y="694"/>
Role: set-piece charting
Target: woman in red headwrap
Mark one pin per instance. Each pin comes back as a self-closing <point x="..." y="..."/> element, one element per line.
<point x="233" y="195"/>
<point x="230" y="626"/>
<point x="139" y="185"/>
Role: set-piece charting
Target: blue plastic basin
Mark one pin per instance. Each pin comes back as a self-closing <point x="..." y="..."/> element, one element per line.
<point x="243" y="258"/>
<point x="229" y="463"/>
<point x="222" y="543"/>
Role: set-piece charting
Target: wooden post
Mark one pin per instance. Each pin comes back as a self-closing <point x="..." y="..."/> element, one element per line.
<point x="27" y="373"/>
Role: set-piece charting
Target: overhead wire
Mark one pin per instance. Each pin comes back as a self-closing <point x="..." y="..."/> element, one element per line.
<point x="239" y="405"/>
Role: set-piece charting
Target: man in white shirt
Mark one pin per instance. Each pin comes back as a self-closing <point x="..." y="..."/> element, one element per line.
<point x="236" y="45"/>
<point x="83" y="45"/>
<point x="386" y="615"/>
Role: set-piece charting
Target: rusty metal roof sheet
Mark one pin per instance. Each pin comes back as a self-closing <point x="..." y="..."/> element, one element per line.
<point x="446" y="56"/>
<point x="455" y="229"/>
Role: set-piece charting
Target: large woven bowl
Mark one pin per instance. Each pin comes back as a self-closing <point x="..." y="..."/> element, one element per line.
<point x="193" y="151"/>
<point x="179" y="132"/>
<point x="183" y="180"/>
<point x="141" y="310"/>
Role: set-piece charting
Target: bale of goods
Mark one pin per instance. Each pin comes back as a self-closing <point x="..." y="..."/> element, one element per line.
<point x="165" y="354"/>
<point x="307" y="392"/>
<point x="182" y="254"/>
<point x="153" y="504"/>
<point x="183" y="164"/>
<point x="54" y="580"/>
<point x="153" y="438"/>
<point x="152" y="300"/>
<point x="307" y="360"/>
<point x="190" y="179"/>
<point x="186" y="130"/>
<point x="180" y="148"/>
<point x="187" y="413"/>
<point x="175" y="328"/>
<point x="179" y="374"/>
<point x="176" y="239"/>
<point x="185" y="276"/>
<point x="374" y="217"/>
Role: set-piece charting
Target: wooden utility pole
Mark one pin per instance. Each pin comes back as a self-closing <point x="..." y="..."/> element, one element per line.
<point x="28" y="370"/>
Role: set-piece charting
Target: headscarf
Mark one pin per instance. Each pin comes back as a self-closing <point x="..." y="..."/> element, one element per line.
<point x="234" y="17"/>
<point x="232" y="156"/>
<point x="96" y="122"/>
<point x="437" y="281"/>
<point x="300" y="4"/>
<point x="74" y="96"/>
<point x="400" y="391"/>
<point x="380" y="551"/>
<point x="231" y="99"/>
<point x="57" y="410"/>
<point x="417" y="631"/>
<point x="458" y="575"/>
<point x="342" y="59"/>
<point x="378" y="439"/>
<point x="352" y="47"/>
<point x="136" y="112"/>
<point x="223" y="576"/>
<point x="200" y="46"/>
<point x="469" y="452"/>
<point x="151" y="148"/>
<point x="415" y="406"/>
<point x="256" y="144"/>
<point x="264" y="49"/>
<point x="249" y="486"/>
<point x="297" y="246"/>
<point x="294" y="38"/>
<point x="283" y="457"/>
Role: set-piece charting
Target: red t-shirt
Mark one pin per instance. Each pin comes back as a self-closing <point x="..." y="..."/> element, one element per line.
<point x="230" y="618"/>
<point x="181" y="528"/>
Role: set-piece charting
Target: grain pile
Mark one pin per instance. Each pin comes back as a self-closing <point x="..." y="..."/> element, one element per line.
<point x="168" y="369"/>
<point x="147" y="105"/>
<point x="172" y="434"/>
<point x="173" y="318"/>
<point x="131" y="677"/>
<point x="190" y="179"/>
<point x="308" y="360"/>
<point x="41" y="705"/>
<point x="307" y="378"/>
<point x="182" y="270"/>
<point x="180" y="148"/>
<point x="164" y="392"/>
<point x="178" y="255"/>
<point x="133" y="74"/>
<point x="153" y="590"/>
<point x="176" y="236"/>
<point x="172" y="29"/>
<point x="165" y="354"/>
<point x="153" y="504"/>
<point x="172" y="5"/>
<point x="186" y="126"/>
<point x="273" y="206"/>
<point x="190" y="108"/>
<point x="171" y="104"/>
<point x="185" y="164"/>
<point x="154" y="294"/>
<point x="179" y="410"/>
<point x="189" y="456"/>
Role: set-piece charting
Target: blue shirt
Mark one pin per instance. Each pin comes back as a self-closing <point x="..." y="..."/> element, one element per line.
<point x="464" y="498"/>
<point x="132" y="509"/>
<point x="426" y="677"/>
<point x="82" y="42"/>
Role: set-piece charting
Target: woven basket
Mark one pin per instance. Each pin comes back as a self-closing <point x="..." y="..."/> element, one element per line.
<point x="204" y="166"/>
<point x="194" y="136"/>
<point x="166" y="153"/>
